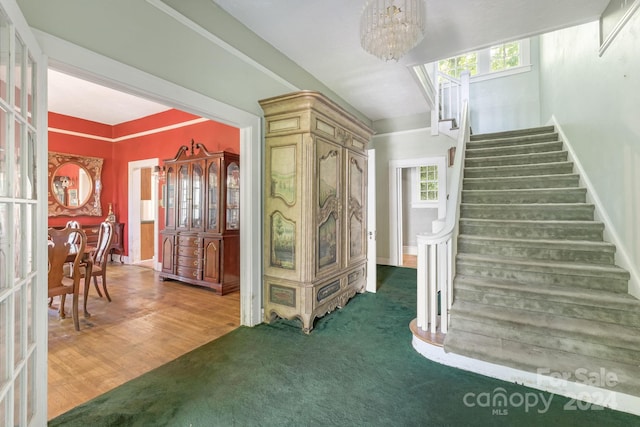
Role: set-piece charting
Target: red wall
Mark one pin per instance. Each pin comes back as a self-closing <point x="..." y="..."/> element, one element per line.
<point x="163" y="144"/>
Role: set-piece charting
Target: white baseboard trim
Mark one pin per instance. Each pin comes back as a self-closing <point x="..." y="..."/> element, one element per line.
<point x="384" y="261"/>
<point x="610" y="233"/>
<point x="410" y="250"/>
<point x="583" y="396"/>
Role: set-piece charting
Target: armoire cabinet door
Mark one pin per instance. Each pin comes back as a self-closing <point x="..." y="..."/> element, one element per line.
<point x="356" y="209"/>
<point x="328" y="205"/>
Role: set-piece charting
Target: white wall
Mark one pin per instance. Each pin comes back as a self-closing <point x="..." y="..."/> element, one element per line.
<point x="596" y="101"/>
<point x="414" y="220"/>
<point x="399" y="146"/>
<point x="509" y="102"/>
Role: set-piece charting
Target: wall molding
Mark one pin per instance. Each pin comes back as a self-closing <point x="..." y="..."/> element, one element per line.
<point x="131" y="136"/>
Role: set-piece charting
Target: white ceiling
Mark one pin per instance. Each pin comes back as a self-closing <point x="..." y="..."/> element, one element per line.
<point x="79" y="98"/>
<point x="322" y="37"/>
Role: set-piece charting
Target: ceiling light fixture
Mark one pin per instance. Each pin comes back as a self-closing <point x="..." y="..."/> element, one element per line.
<point x="390" y="28"/>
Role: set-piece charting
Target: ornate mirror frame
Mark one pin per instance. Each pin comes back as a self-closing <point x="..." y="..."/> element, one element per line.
<point x="93" y="166"/>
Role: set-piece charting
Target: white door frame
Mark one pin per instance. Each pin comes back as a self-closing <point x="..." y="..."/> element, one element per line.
<point x="372" y="279"/>
<point x="23" y="283"/>
<point x="396" y="202"/>
<point x="80" y="62"/>
<point x="133" y="225"/>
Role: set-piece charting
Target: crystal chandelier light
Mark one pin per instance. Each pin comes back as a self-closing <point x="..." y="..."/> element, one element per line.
<point x="390" y="28"/>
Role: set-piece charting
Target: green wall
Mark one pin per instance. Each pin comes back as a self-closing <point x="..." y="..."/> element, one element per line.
<point x="596" y="101"/>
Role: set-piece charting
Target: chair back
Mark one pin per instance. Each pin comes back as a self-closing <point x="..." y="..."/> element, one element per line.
<point x="60" y="249"/>
<point x="75" y="237"/>
<point x="105" y="235"/>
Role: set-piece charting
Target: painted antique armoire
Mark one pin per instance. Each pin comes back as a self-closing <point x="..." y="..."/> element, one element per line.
<point x="315" y="206"/>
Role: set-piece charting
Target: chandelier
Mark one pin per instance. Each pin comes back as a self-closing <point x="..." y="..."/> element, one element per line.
<point x="390" y="28"/>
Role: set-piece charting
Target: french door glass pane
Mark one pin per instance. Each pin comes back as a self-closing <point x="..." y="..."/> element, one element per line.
<point x="17" y="243"/>
<point x="30" y="167"/>
<point x="4" y="341"/>
<point x="4" y="57"/>
<point x="4" y="245"/>
<point x="31" y="304"/>
<point x="19" y="57"/>
<point x="30" y="83"/>
<point x="18" y="160"/>
<point x="18" y="318"/>
<point x="4" y="160"/>
<point x="31" y="387"/>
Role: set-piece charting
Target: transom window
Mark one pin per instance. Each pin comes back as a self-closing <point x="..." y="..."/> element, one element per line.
<point x="505" y="56"/>
<point x="494" y="61"/>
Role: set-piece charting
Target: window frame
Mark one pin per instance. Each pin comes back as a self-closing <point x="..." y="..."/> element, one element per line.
<point x="416" y="202"/>
<point x="483" y="64"/>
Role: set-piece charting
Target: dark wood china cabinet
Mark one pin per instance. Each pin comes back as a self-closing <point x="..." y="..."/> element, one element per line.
<point x="201" y="236"/>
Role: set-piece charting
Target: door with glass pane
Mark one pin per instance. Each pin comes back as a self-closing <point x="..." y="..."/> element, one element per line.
<point x="23" y="223"/>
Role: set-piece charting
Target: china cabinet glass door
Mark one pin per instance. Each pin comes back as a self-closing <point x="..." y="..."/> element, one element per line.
<point x="183" y="196"/>
<point x="170" y="212"/>
<point x="214" y="194"/>
<point x="196" y="196"/>
<point x="233" y="196"/>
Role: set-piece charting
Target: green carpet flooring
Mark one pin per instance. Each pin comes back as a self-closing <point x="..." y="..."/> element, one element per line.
<point x="356" y="368"/>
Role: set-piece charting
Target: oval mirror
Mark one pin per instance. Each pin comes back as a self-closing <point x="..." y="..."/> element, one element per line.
<point x="71" y="185"/>
<point x="74" y="185"/>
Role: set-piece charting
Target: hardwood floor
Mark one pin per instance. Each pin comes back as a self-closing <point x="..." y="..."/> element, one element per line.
<point x="148" y="323"/>
<point x="410" y="261"/>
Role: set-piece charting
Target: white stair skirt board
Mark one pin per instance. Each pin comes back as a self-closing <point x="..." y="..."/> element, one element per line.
<point x="581" y="396"/>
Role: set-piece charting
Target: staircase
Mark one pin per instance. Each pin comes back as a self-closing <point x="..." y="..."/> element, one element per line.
<point x="536" y="287"/>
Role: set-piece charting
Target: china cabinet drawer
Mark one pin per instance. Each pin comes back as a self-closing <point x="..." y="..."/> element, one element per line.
<point x="188" y="251"/>
<point x="183" y="261"/>
<point x="193" y="241"/>
<point x="188" y="273"/>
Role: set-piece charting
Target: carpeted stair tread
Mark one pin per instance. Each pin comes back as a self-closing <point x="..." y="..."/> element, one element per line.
<point x="480" y="171"/>
<point x="565" y="250"/>
<point x="517" y="159"/>
<point x="510" y="150"/>
<point x="528" y="195"/>
<point x="532" y="229"/>
<point x="570" y="274"/>
<point x="597" y="305"/>
<point x="620" y="301"/>
<point x="551" y="325"/>
<point x="569" y="268"/>
<point x="522" y="182"/>
<point x="517" y="140"/>
<point x="513" y="133"/>
<point x="528" y="211"/>
<point x="533" y="359"/>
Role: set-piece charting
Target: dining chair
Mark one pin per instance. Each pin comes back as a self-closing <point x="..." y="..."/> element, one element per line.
<point x="99" y="256"/>
<point x="61" y="252"/>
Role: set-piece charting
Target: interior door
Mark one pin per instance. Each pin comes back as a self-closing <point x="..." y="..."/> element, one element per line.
<point x="372" y="278"/>
<point x="23" y="223"/>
